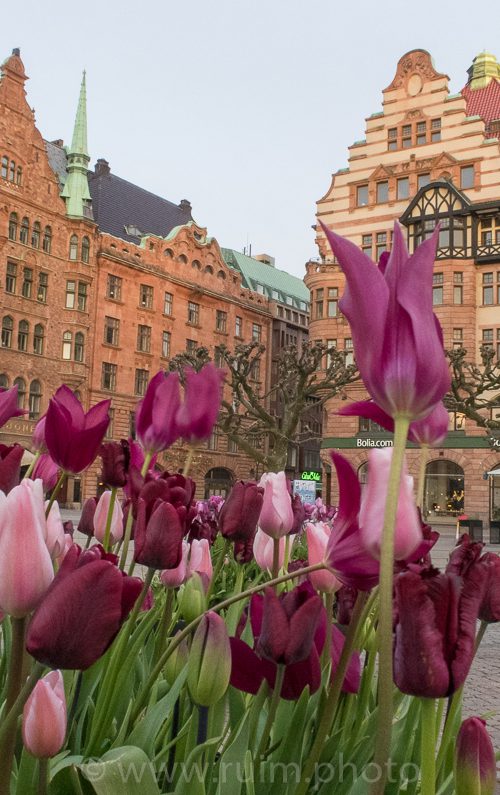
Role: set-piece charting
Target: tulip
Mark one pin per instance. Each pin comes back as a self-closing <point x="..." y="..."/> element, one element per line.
<point x="197" y="415"/>
<point x="397" y="338"/>
<point x="86" y="523"/>
<point x="193" y="598"/>
<point x="47" y="471"/>
<point x="299" y="514"/>
<point x="276" y="517"/>
<point x="44" y="717"/>
<point x="465" y="554"/>
<point x="73" y="438"/>
<point x="318" y="535"/>
<point x="55" y="537"/>
<point x="176" y="662"/>
<point x="158" y="538"/>
<point x="25" y="566"/>
<point x="345" y="552"/>
<point x="239" y="515"/>
<point x="263" y="550"/>
<point x="173" y="578"/>
<point x="155" y="414"/>
<point x="200" y="561"/>
<point x="10" y="466"/>
<point x="8" y="405"/>
<point x="344" y="604"/>
<point x="115" y="463"/>
<point x="288" y="627"/>
<point x="209" y="662"/>
<point x="83" y="610"/>
<point x="38" y="436"/>
<point x="408" y="532"/>
<point x="489" y="566"/>
<point x="101" y="518"/>
<point x="435" y="630"/>
<point x="430" y="431"/>
<point x="475" y="763"/>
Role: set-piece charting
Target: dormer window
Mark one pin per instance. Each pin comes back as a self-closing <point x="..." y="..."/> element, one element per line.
<point x="132" y="230"/>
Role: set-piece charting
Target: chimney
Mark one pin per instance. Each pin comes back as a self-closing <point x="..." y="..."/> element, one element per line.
<point x="185" y="205"/>
<point x="17" y="51"/>
<point x="102" y="167"/>
<point x="266" y="259"/>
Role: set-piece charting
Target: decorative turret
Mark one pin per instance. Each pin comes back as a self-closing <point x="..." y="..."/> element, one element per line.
<point x="484" y="69"/>
<point x="76" y="188"/>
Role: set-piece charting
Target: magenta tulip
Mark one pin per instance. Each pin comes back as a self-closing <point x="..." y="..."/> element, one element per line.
<point x="276" y="516"/>
<point x="397" y="338"/>
<point x="73" y="438"/>
<point x="47" y="471"/>
<point x="44" y="717"/>
<point x="198" y="413"/>
<point x="430" y="431"/>
<point x="8" y="405"/>
<point x="475" y="763"/>
<point x="38" y="437"/>
<point x="155" y="414"/>
<point x="318" y="535"/>
<point x="101" y="518"/>
<point x="10" y="466"/>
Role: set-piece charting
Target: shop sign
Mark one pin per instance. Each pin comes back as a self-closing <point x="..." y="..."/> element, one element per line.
<point x="374" y="442"/>
<point x="306" y="489"/>
<point x="311" y="475"/>
<point x="494" y="441"/>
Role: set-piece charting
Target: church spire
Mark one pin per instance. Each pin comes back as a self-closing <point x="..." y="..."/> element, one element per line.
<point x="76" y="188"/>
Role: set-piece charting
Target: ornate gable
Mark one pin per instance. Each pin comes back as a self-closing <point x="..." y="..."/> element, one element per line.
<point x="413" y="69"/>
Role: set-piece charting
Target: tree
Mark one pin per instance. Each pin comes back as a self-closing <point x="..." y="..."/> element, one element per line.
<point x="474" y="387"/>
<point x="264" y="423"/>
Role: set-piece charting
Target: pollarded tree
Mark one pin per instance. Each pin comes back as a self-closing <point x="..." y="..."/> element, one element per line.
<point x="474" y="387"/>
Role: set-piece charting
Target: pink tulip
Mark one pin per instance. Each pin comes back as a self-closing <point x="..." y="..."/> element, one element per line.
<point x="408" y="532"/>
<point x="101" y="517"/>
<point x="44" y="717"/>
<point x="263" y="550"/>
<point x="276" y="517"/>
<point x="172" y="578"/>
<point x="55" y="538"/>
<point x="25" y="566"/>
<point x="200" y="560"/>
<point x="318" y="535"/>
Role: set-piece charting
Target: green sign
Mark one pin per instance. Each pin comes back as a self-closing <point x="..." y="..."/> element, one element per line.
<point x="311" y="475"/>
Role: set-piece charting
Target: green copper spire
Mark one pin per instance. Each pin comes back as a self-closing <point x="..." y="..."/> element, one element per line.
<point x="76" y="188"/>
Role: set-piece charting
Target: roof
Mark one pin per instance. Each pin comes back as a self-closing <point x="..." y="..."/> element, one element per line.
<point x="272" y="282"/>
<point x="484" y="102"/>
<point x="57" y="160"/>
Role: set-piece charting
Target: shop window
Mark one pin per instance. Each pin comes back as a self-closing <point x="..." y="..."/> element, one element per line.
<point x="444" y="489"/>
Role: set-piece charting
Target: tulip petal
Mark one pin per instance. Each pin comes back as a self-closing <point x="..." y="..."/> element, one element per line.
<point x="246" y="669"/>
<point x="299" y="675"/>
<point x="273" y="639"/>
<point x="370" y="411"/>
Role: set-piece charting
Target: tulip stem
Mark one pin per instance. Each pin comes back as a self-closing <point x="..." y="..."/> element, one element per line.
<point x="424" y="457"/>
<point x="189" y="461"/>
<point x="218" y="568"/>
<point x="14" y="682"/>
<point x="165" y="623"/>
<point x="326" y="654"/>
<point x="428" y="747"/>
<point x="271" y="714"/>
<point x="32" y="465"/>
<point x="43" y="776"/>
<point x="276" y="558"/>
<point x="385" y="682"/>
<point x="62" y="478"/>
<point x="126" y="538"/>
<point x="107" y="532"/>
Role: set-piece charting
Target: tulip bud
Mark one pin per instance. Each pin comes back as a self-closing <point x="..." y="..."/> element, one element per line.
<point x="209" y="663"/>
<point x="475" y="766"/>
<point x="101" y="518"/>
<point x="276" y="517"/>
<point x="263" y="550"/>
<point x="192" y="598"/>
<point x="176" y="662"/>
<point x="173" y="578"/>
<point x="86" y="523"/>
<point x="318" y="535"/>
<point x="44" y="717"/>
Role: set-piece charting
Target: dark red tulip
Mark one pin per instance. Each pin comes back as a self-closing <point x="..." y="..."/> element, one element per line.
<point x="158" y="534"/>
<point x="489" y="566"/>
<point x="155" y="416"/>
<point x="344" y="604"/>
<point x="10" y="466"/>
<point x="288" y="626"/>
<point x="464" y="556"/>
<point x="243" y="551"/>
<point x="197" y="415"/>
<point x="240" y="513"/>
<point x="73" y="438"/>
<point x="475" y="762"/>
<point x="86" y="523"/>
<point x="436" y="618"/>
<point x="8" y="405"/>
<point x="115" y="463"/>
<point x="299" y="514"/>
<point x="82" y="611"/>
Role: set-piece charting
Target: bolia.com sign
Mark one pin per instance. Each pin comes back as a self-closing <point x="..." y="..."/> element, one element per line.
<point x="374" y="443"/>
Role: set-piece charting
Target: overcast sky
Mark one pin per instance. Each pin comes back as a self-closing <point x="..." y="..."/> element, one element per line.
<point x="244" y="107"/>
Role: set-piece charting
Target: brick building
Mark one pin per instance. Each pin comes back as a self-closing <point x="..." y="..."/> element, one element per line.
<point x="428" y="157"/>
<point x="102" y="282"/>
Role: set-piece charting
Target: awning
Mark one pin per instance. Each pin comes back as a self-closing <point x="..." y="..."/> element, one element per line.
<point x="494" y="471"/>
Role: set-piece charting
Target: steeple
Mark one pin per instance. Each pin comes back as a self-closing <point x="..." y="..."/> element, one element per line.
<point x="484" y="68"/>
<point x="76" y="188"/>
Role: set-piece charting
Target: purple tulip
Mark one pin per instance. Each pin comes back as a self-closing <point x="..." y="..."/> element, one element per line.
<point x="430" y="431"/>
<point x="198" y="413"/>
<point x="475" y="763"/>
<point x="73" y="438"/>
<point x="155" y="417"/>
<point x="240" y="513"/>
<point x="8" y="405"/>
<point x="38" y="437"/>
<point x="86" y="523"/>
<point x="397" y="338"/>
<point x="47" y="471"/>
<point x="10" y="466"/>
<point x="489" y="610"/>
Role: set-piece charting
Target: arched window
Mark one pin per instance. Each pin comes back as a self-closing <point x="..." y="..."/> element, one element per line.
<point x="21" y="392"/>
<point x="439" y="203"/>
<point x="85" y="249"/>
<point x="47" y="239"/>
<point x="363" y="474"/>
<point x="35" y="235"/>
<point x="19" y="176"/>
<point x="25" y="231"/>
<point x="4" y="381"/>
<point x="12" y="171"/>
<point x="182" y="258"/>
<point x="169" y="253"/>
<point x="73" y="247"/>
<point x="218" y="481"/>
<point x="221" y="275"/>
<point x="13" y="221"/>
<point x="67" y="345"/>
<point x="196" y="264"/>
<point x="35" y="399"/>
<point x="7" y="326"/>
<point x="209" y="269"/>
<point x="22" y="335"/>
<point x="5" y="167"/>
<point x="38" y="337"/>
<point x="79" y="346"/>
<point x="444" y="489"/>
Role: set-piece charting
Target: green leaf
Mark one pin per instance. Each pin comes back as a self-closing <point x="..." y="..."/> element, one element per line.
<point x="122" y="771"/>
<point x="229" y="769"/>
<point x="27" y="773"/>
<point x="145" y="732"/>
<point x="192" y="775"/>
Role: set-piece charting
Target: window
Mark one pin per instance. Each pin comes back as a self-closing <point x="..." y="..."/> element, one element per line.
<point x="168" y="304"/>
<point x="458" y="290"/>
<point x="10" y="277"/>
<point x="38" y="336"/>
<point x="85" y="249"/>
<point x="144" y="339"/>
<point x="79" y="346"/>
<point x="70" y="294"/>
<point x="329" y="357"/>
<point x="332" y="308"/>
<point x="5" y="167"/>
<point x="467" y="177"/>
<point x="35" y="399"/>
<point x="13" y="226"/>
<point x="43" y="284"/>
<point x="458" y="338"/>
<point x="437" y="289"/>
<point x="114" y="287"/>
<point x="381" y="244"/>
<point x="406" y="136"/>
<point x="191" y="346"/>
<point x="47" y="239"/>
<point x="111" y="330"/>
<point x="403" y="188"/>
<point x="25" y="231"/>
<point x="366" y="245"/>
<point x="382" y="192"/>
<point x="348" y="347"/>
<point x="221" y="320"/>
<point x="21" y="392"/>
<point x="7" y="327"/>
<point x="35" y="235"/>
<point x="362" y="195"/>
<point x="22" y="335"/>
<point x="421" y="133"/>
<point x="498" y="344"/>
<point x="218" y="358"/>
<point x="255" y="370"/>
<point x="4" y="381"/>
<point x="12" y="171"/>
<point x="146" y="296"/>
<point x="435" y="130"/>
<point x="423" y="180"/>
<point x="141" y="382"/>
<point x="19" y="176"/>
<point x="73" y="247"/>
<point x="108" y="376"/>
<point x="319" y="304"/>
<point x="370" y="426"/>
<point x="82" y="296"/>
<point x="111" y="425"/>
<point x="27" y="285"/>
<point x="67" y="345"/>
<point x="193" y="313"/>
<point x="232" y="447"/>
<point x="487" y="339"/>
<point x="392" y="139"/>
<point x="131" y="425"/>
<point x="238" y="325"/>
<point x="256" y="332"/>
<point x="165" y="344"/>
<point x="487" y="289"/>
<point x="498" y="287"/>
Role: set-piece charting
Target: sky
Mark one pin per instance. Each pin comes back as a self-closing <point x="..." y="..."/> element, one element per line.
<point x="244" y="107"/>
